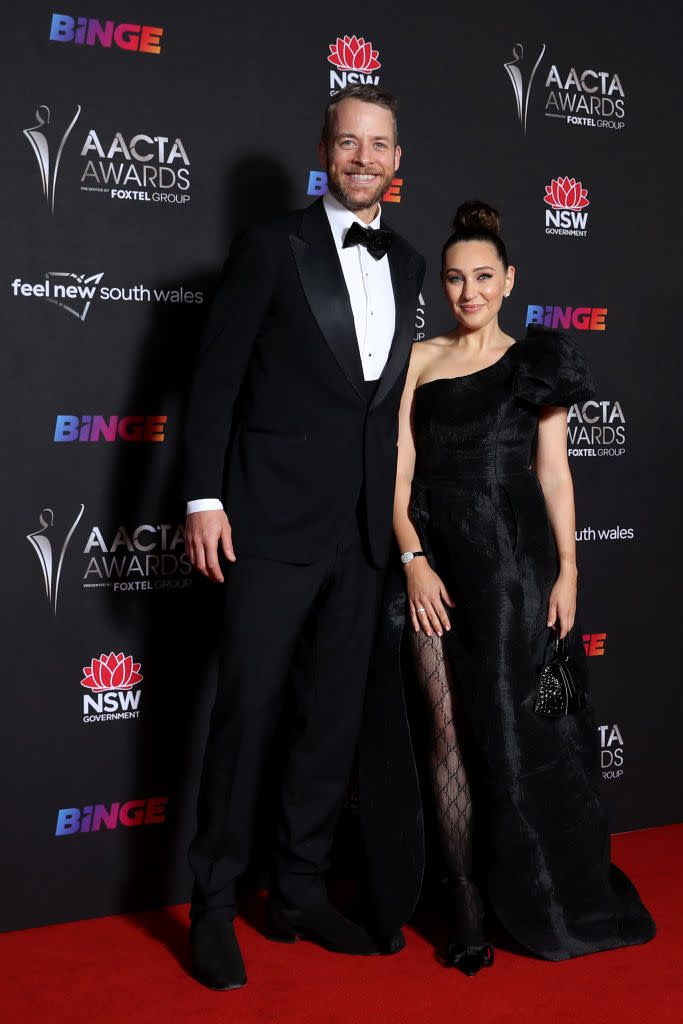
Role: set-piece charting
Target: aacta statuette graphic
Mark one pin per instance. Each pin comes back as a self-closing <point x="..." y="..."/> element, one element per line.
<point x="518" y="70"/>
<point x="48" y="147"/>
<point x="42" y="545"/>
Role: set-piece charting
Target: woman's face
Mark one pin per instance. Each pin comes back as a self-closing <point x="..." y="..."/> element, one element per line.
<point x="475" y="281"/>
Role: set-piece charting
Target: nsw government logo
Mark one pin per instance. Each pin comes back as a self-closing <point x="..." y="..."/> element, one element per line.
<point x="110" y="679"/>
<point x="355" y="60"/>
<point x="567" y="199"/>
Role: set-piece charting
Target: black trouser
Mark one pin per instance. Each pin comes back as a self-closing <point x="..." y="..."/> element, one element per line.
<point x="322" y="617"/>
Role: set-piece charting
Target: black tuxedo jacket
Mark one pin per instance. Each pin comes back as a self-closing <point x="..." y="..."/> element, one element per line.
<point x="279" y="425"/>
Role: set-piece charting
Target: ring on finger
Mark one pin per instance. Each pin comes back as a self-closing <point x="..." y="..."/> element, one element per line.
<point x="420" y="609"/>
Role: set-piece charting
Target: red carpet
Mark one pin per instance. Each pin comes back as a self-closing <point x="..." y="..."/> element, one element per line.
<point x="133" y="968"/>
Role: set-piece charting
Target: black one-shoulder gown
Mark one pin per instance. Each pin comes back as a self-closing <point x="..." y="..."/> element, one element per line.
<point x="482" y="518"/>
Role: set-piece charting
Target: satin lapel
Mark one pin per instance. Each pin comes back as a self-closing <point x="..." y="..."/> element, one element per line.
<point x="325" y="288"/>
<point x="403" y="282"/>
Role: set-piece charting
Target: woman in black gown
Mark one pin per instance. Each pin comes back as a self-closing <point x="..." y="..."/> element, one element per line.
<point x="484" y="490"/>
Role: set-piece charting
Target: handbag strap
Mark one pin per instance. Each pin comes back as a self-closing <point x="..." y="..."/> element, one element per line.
<point x="562" y="646"/>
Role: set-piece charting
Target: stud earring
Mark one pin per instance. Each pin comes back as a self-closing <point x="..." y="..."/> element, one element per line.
<point x="506" y="295"/>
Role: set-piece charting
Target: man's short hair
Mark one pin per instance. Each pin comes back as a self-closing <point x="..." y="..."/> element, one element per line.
<point x="368" y="94"/>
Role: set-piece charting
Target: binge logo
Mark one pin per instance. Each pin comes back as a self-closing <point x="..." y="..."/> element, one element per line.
<point x="98" y="428"/>
<point x="567" y="199"/>
<point x="317" y="186"/>
<point x="91" y="32"/>
<point x="110" y="679"/>
<point x="91" y="818"/>
<point x="354" y="59"/>
<point x="611" y="751"/>
<point x="583" y="318"/>
<point x="594" y="644"/>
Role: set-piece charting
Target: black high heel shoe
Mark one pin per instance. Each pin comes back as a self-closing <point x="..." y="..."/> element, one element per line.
<point x="469" y="959"/>
<point x="467" y="949"/>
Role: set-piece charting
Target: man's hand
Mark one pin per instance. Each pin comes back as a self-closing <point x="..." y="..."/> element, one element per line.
<point x="204" y="531"/>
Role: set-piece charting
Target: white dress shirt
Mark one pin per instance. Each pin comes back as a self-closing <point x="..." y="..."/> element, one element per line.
<point x="368" y="282"/>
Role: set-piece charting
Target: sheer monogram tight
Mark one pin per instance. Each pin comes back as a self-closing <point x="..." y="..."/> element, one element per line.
<point x="450" y="787"/>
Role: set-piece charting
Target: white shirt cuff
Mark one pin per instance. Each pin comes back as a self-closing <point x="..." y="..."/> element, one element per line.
<point x="204" y="505"/>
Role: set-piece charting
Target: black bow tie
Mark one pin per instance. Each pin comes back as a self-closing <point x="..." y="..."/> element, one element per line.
<point x="376" y="241"/>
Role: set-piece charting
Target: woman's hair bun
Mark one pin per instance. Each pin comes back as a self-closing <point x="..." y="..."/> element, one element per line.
<point x="474" y="214"/>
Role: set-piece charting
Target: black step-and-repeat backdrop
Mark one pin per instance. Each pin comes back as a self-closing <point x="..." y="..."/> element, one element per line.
<point x="137" y="138"/>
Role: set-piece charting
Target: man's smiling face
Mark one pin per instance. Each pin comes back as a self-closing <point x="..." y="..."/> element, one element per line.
<point x="361" y="156"/>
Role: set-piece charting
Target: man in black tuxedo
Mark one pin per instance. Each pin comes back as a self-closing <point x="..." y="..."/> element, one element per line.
<point x="293" y="421"/>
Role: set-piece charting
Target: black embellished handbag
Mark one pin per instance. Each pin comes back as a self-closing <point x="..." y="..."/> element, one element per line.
<point x="558" y="692"/>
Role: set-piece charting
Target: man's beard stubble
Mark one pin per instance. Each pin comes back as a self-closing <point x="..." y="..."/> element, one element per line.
<point x="335" y="185"/>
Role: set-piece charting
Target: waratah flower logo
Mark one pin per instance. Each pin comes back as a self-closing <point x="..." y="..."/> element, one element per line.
<point x="111" y="672"/>
<point x="353" y="54"/>
<point x="566" y="194"/>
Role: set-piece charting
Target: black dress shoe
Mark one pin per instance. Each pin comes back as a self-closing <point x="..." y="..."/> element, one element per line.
<point x="321" y="924"/>
<point x="469" y="959"/>
<point x="395" y="944"/>
<point x="216" y="958"/>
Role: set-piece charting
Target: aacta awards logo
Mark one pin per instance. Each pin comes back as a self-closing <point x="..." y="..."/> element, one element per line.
<point x="592" y="99"/>
<point x="132" y="166"/>
<point x="420" y="319"/>
<point x="142" y="161"/>
<point x="567" y="199"/>
<point x="49" y="551"/>
<point x="110" y="679"/>
<point x="611" y="751"/>
<point x="354" y="60"/>
<point x="522" y="72"/>
<point x="596" y="429"/>
<point x="150" y="557"/>
<point x="47" y="142"/>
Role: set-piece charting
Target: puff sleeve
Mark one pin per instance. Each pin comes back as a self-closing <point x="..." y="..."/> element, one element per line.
<point x="551" y="370"/>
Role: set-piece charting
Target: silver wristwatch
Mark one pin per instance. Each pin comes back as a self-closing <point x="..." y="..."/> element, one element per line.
<point x="408" y="556"/>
